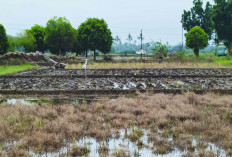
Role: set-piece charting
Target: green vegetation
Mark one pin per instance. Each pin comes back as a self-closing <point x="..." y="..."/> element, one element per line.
<point x="223" y="19"/>
<point x="94" y="35"/>
<point x="9" y="69"/>
<point x="59" y="35"/>
<point x="160" y="50"/>
<point x="38" y="32"/>
<point x="3" y="40"/>
<point x="197" y="39"/>
<point x="198" y="16"/>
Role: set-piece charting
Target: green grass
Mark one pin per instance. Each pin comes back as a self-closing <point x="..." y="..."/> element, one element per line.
<point x="9" y="69"/>
<point x="224" y="60"/>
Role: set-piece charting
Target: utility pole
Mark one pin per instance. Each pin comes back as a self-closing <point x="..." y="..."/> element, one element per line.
<point x="141" y="38"/>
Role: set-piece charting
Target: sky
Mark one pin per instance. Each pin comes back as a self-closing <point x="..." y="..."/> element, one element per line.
<point x="159" y="19"/>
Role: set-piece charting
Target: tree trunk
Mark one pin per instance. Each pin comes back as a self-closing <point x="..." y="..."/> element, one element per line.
<point x="94" y="55"/>
<point x="86" y="54"/>
<point x="196" y="52"/>
<point x="230" y="48"/>
<point x="141" y="56"/>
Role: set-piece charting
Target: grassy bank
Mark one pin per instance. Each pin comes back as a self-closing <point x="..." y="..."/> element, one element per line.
<point x="9" y="69"/>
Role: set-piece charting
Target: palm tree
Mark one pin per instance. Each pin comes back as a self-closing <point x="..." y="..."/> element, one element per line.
<point x="129" y="38"/>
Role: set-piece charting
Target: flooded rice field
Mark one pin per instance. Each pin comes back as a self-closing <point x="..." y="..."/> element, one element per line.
<point x="73" y="83"/>
<point x="156" y="125"/>
<point x="116" y="80"/>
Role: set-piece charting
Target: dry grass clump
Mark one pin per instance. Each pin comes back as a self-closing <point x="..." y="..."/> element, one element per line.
<point x="15" y="152"/>
<point x="79" y="151"/>
<point x="103" y="150"/>
<point x="181" y="117"/>
<point x="121" y="153"/>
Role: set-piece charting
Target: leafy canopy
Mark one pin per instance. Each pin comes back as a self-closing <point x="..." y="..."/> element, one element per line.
<point x="59" y="35"/>
<point x="197" y="16"/>
<point x="197" y="39"/>
<point x="223" y="21"/>
<point x="38" y="32"/>
<point x="4" y="45"/>
<point x="93" y="35"/>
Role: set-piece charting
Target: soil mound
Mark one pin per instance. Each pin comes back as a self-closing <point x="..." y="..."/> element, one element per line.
<point x="14" y="58"/>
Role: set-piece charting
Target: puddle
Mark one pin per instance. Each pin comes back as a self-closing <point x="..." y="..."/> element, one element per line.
<point x="123" y="143"/>
<point x="116" y="85"/>
<point x="21" y="101"/>
<point x="132" y="84"/>
<point x="180" y="83"/>
<point x="31" y="102"/>
<point x="125" y="88"/>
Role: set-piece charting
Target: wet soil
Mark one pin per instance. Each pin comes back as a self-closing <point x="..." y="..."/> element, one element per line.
<point x="115" y="81"/>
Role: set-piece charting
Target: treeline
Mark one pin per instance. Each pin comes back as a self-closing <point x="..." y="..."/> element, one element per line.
<point x="60" y="37"/>
<point x="215" y="20"/>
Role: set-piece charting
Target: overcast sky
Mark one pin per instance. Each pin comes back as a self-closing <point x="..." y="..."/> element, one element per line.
<point x="159" y="19"/>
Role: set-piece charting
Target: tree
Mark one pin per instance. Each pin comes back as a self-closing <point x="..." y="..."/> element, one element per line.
<point x="223" y="22"/>
<point x="197" y="16"/>
<point x="38" y="32"/>
<point x="117" y="39"/>
<point x="59" y="35"/>
<point x="94" y="35"/>
<point x="27" y="41"/>
<point x="79" y="46"/>
<point x="129" y="38"/>
<point x="4" y="45"/>
<point x="197" y="39"/>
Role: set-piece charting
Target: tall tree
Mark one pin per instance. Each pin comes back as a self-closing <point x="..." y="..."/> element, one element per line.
<point x="4" y="45"/>
<point x="197" y="39"/>
<point x="94" y="35"/>
<point x="129" y="38"/>
<point x="59" y="35"/>
<point x="27" y="41"/>
<point x="38" y="32"/>
<point x="223" y="22"/>
<point x="197" y="16"/>
<point x="117" y="39"/>
<point x="79" y="45"/>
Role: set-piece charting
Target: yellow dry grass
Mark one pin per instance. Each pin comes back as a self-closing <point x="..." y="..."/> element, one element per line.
<point x="147" y="65"/>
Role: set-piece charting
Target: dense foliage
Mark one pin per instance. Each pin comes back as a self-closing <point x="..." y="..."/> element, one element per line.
<point x="223" y="22"/>
<point x="94" y="35"/>
<point x="59" y="35"/>
<point x="198" y="16"/>
<point x="197" y="39"/>
<point x="160" y="50"/>
<point x="38" y="33"/>
<point x="3" y="40"/>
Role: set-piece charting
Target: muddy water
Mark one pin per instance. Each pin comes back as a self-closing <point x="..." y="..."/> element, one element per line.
<point x="113" y="144"/>
<point x="30" y="102"/>
<point x="131" y="148"/>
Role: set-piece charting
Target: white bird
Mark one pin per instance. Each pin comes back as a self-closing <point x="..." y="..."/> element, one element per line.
<point x="85" y="65"/>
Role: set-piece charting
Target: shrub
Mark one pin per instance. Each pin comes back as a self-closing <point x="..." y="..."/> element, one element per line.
<point x="197" y="39"/>
<point x="160" y="50"/>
